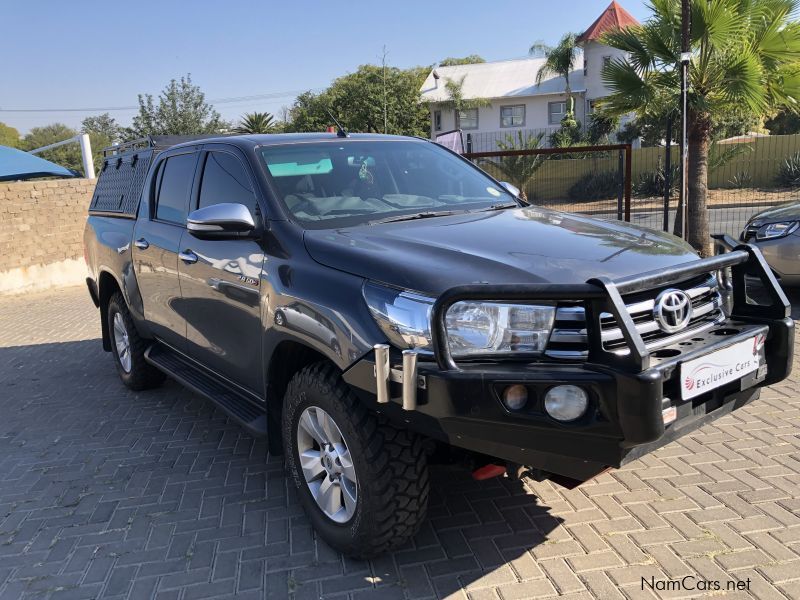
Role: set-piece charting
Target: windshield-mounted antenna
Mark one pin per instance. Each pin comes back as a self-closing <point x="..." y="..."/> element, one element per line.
<point x="340" y="131"/>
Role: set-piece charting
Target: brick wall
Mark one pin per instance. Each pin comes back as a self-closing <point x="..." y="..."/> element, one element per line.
<point x="41" y="232"/>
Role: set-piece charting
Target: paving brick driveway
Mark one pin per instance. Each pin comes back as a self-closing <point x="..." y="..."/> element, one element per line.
<point x="109" y="493"/>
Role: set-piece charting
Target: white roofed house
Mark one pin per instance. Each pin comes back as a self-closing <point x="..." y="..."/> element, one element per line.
<point x="514" y="102"/>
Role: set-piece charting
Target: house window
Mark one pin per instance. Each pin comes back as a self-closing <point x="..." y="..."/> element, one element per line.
<point x="437" y="120"/>
<point x="467" y="119"/>
<point x="512" y="116"/>
<point x="606" y="61"/>
<point x="557" y="111"/>
<point x="585" y="65"/>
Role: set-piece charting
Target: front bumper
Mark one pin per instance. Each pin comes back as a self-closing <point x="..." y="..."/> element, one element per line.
<point x="460" y="404"/>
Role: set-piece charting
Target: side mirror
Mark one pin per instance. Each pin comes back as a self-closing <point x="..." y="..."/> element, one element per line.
<point x="511" y="188"/>
<point x="221" y="221"/>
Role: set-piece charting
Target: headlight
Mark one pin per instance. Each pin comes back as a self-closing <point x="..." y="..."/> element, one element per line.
<point x="493" y="327"/>
<point x="776" y="230"/>
<point x="473" y="328"/>
<point x="404" y="317"/>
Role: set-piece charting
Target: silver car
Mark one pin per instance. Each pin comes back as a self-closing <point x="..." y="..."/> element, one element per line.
<point x="777" y="234"/>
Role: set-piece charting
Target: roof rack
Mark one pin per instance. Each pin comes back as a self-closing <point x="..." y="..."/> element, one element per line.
<point x="155" y="142"/>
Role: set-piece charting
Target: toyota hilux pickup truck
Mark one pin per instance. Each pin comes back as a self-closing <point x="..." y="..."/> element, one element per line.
<point x="368" y="301"/>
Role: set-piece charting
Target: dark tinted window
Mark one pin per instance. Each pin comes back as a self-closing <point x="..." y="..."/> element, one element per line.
<point x="225" y="180"/>
<point x="351" y="182"/>
<point x="176" y="184"/>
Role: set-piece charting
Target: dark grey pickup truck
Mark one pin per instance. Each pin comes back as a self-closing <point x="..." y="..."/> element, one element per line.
<point x="369" y="302"/>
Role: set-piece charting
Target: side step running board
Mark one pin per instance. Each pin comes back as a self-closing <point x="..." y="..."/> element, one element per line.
<point x="234" y="403"/>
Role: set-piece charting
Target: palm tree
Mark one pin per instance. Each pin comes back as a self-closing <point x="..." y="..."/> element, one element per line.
<point x="256" y="122"/>
<point x="560" y="62"/>
<point x="518" y="170"/>
<point x="745" y="53"/>
<point x="455" y="97"/>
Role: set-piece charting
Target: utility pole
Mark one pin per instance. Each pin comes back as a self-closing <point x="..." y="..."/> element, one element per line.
<point x="686" y="56"/>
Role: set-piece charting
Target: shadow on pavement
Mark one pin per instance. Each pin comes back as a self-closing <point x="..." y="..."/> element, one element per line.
<point x="111" y="491"/>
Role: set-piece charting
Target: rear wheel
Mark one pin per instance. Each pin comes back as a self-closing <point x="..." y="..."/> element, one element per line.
<point x="362" y="482"/>
<point x="128" y="348"/>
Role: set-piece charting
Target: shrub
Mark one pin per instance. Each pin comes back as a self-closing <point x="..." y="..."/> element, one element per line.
<point x="569" y="134"/>
<point x="742" y="179"/>
<point x="596" y="186"/>
<point x="789" y="171"/>
<point x="654" y="183"/>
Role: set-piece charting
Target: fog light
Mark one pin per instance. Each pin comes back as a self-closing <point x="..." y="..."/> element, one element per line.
<point x="566" y="402"/>
<point x="515" y="397"/>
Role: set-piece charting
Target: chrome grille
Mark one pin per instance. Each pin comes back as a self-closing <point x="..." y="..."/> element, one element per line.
<point x="569" y="339"/>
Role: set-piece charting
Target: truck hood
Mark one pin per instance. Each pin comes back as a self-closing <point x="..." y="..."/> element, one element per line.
<point x="525" y="245"/>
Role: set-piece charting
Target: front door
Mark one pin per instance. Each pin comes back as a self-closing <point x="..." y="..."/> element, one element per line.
<point x="156" y="245"/>
<point x="220" y="279"/>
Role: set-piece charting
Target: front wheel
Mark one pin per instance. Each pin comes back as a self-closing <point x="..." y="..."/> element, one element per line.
<point x="362" y="482"/>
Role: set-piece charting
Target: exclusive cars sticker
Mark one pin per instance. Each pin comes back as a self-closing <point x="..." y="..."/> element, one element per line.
<point x="709" y="372"/>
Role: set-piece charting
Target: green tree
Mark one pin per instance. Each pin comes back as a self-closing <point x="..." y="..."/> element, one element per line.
<point x="560" y="62"/>
<point x="9" y="136"/>
<point x="181" y="109"/>
<point x="744" y="55"/>
<point x="103" y="132"/>
<point x="68" y="155"/>
<point x="784" y="122"/>
<point x="308" y="113"/>
<point x="256" y="122"/>
<point x="472" y="59"/>
<point x="518" y="170"/>
<point x="600" y="128"/>
<point x="365" y="100"/>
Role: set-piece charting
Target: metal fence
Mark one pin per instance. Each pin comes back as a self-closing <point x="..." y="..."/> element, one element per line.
<point x="490" y="141"/>
<point x="746" y="175"/>
<point x="594" y="180"/>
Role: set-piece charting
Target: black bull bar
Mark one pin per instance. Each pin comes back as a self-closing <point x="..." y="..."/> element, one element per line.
<point x="602" y="294"/>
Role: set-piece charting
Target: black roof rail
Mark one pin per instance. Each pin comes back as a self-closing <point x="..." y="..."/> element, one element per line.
<point x="156" y="142"/>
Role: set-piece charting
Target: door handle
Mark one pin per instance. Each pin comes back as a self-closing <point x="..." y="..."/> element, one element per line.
<point x="142" y="244"/>
<point x="188" y="257"/>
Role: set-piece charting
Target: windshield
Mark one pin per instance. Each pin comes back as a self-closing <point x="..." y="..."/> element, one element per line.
<point x="351" y="182"/>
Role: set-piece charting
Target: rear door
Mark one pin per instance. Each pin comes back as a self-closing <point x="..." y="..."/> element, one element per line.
<point x="157" y="238"/>
<point x="221" y="280"/>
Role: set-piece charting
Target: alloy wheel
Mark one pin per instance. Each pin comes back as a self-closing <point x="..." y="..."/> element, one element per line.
<point x="122" y="343"/>
<point x="326" y="464"/>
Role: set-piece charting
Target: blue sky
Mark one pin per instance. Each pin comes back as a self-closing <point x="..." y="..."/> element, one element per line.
<point x="81" y="54"/>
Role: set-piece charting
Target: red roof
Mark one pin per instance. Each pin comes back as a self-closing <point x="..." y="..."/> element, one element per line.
<point x="614" y="17"/>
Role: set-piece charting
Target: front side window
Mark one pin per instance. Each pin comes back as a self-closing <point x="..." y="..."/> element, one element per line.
<point x="558" y="111"/>
<point x="468" y="118"/>
<point x="512" y="116"/>
<point x="340" y="184"/>
<point x="225" y="180"/>
<point x="172" y="201"/>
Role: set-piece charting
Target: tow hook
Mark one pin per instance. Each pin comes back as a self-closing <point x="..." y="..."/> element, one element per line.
<point x="488" y="472"/>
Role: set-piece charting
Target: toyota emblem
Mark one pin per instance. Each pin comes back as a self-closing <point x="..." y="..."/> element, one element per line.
<point x="672" y="310"/>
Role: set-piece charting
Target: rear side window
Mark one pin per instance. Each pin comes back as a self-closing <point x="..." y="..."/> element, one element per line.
<point x="172" y="203"/>
<point x="225" y="180"/>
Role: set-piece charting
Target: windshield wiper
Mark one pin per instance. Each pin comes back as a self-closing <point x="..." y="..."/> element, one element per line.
<point x="498" y="207"/>
<point x="413" y="216"/>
